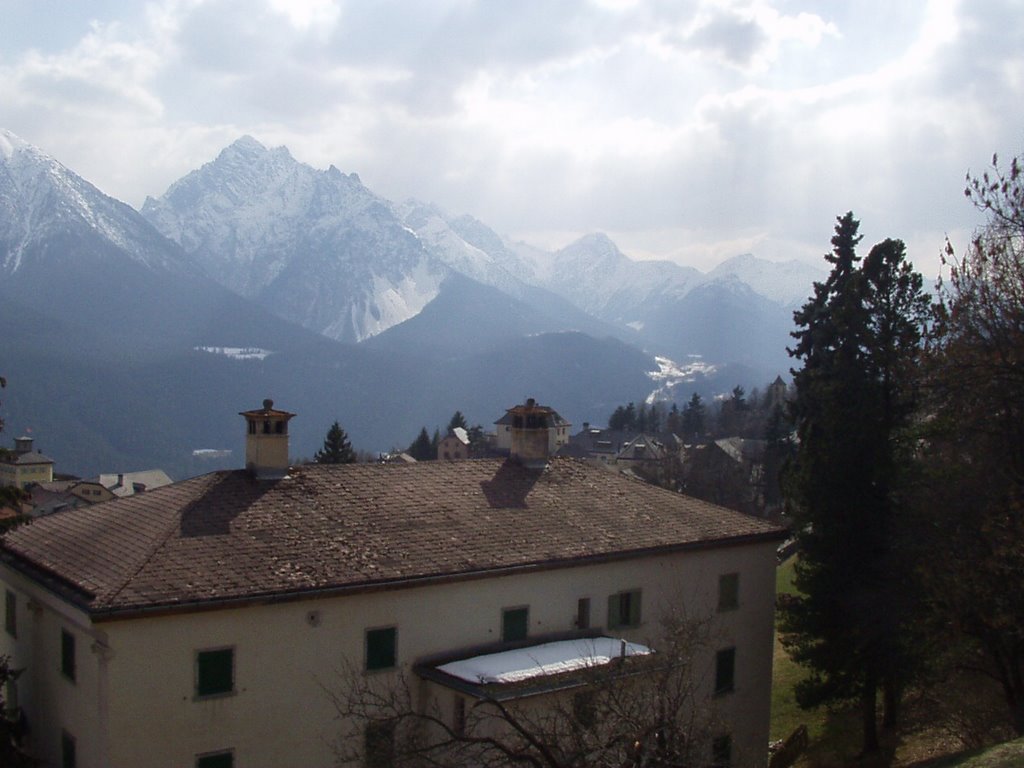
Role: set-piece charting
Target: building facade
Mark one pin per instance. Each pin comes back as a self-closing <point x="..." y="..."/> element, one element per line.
<point x="205" y="623"/>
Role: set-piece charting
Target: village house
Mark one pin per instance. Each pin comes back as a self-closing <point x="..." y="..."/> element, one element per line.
<point x="454" y="446"/>
<point x="25" y="466"/>
<point x="203" y="623"/>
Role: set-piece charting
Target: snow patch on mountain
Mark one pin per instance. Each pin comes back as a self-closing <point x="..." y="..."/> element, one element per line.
<point x="237" y="353"/>
<point x="671" y="374"/>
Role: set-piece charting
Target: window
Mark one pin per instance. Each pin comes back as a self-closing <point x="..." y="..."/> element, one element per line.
<point x="721" y="751"/>
<point x="728" y="592"/>
<point x="67" y="654"/>
<point x="583" y="613"/>
<point x="515" y="624"/>
<point x="725" y="670"/>
<point x="11" y="614"/>
<point x="215" y="672"/>
<point x="379" y="745"/>
<point x="68" y="758"/>
<point x="381" y="648"/>
<point x="459" y="716"/>
<point x="584" y="709"/>
<point x="624" y="609"/>
<point x="224" y="759"/>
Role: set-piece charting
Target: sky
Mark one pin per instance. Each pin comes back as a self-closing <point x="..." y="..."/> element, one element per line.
<point x="690" y="130"/>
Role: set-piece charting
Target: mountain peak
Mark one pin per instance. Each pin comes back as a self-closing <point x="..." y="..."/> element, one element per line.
<point x="11" y="143"/>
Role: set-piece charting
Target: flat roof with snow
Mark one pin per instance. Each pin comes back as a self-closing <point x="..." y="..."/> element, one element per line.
<point x="531" y="669"/>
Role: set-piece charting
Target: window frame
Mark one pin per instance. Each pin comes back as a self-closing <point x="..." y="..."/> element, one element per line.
<point x="368" y="657"/>
<point x="379" y="744"/>
<point x="721" y="751"/>
<point x="11" y="613"/>
<point x="68" y="750"/>
<point x="728" y="592"/>
<point x="204" y="760"/>
<point x="513" y="612"/>
<point x="583" y="613"/>
<point x="68" y="656"/>
<point x="725" y="671"/>
<point x="632" y="601"/>
<point x="201" y="670"/>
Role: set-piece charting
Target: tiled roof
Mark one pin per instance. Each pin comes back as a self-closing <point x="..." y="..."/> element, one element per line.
<point x="225" y="536"/>
<point x="29" y="457"/>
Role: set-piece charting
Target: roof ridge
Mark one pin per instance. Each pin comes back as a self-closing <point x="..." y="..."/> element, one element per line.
<point x="175" y="522"/>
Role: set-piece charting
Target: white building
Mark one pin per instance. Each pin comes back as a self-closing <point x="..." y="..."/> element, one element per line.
<point x="199" y="624"/>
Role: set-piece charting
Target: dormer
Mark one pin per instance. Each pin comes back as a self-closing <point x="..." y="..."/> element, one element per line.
<point x="266" y="441"/>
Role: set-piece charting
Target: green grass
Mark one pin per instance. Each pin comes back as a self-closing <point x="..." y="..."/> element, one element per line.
<point x="1008" y="755"/>
<point x="834" y="737"/>
<point x="786" y="714"/>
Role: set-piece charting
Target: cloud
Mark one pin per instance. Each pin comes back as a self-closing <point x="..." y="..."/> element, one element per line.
<point x="691" y="126"/>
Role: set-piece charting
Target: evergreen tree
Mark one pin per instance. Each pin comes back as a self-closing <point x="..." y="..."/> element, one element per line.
<point x="420" y="448"/>
<point x="693" y="419"/>
<point x="457" y="420"/>
<point x="674" y="420"/>
<point x="858" y="338"/>
<point x="336" y="448"/>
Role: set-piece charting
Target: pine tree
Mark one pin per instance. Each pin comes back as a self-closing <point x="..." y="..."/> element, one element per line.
<point x="336" y="448"/>
<point x="858" y="338"/>
<point x="420" y="448"/>
<point x="693" y="419"/>
<point x="457" y="420"/>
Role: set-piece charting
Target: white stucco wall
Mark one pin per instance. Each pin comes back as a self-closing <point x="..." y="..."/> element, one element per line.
<point x="279" y="713"/>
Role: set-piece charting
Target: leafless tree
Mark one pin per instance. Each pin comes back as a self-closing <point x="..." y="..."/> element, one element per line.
<point x="641" y="711"/>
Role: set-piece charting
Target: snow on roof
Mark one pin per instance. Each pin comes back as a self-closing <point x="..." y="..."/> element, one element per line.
<point x="541" y="660"/>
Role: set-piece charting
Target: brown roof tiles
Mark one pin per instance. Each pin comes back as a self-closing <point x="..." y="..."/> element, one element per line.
<point x="225" y="536"/>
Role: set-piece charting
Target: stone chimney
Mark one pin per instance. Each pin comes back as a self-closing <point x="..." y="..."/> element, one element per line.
<point x="531" y="434"/>
<point x="266" y="441"/>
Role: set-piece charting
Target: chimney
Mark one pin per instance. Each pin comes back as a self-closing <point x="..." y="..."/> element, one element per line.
<point x="22" y="445"/>
<point x="531" y="426"/>
<point x="266" y="441"/>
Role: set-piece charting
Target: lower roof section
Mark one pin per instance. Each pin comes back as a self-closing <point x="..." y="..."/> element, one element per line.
<point x="532" y="669"/>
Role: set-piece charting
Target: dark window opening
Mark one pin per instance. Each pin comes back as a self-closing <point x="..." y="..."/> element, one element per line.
<point x="459" y="716"/>
<point x="11" y="614"/>
<point x="379" y="745"/>
<point x="624" y="609"/>
<point x="67" y="654"/>
<point x="725" y="670"/>
<point x="728" y="592"/>
<point x="68" y="756"/>
<point x="721" y="751"/>
<point x="583" y="613"/>
<point x="215" y="672"/>
<point x="216" y="760"/>
<point x="515" y="624"/>
<point x="381" y="648"/>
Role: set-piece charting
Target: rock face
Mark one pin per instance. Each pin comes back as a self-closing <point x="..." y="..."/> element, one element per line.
<point x="316" y="247"/>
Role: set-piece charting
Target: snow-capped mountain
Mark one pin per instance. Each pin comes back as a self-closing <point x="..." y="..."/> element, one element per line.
<point x="316" y="247"/>
<point x="467" y="246"/>
<point x="789" y="283"/>
<point x="595" y="275"/>
<point x="40" y="197"/>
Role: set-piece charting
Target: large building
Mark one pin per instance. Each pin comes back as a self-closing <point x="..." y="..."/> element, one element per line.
<point x="25" y="467"/>
<point x="204" y="623"/>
